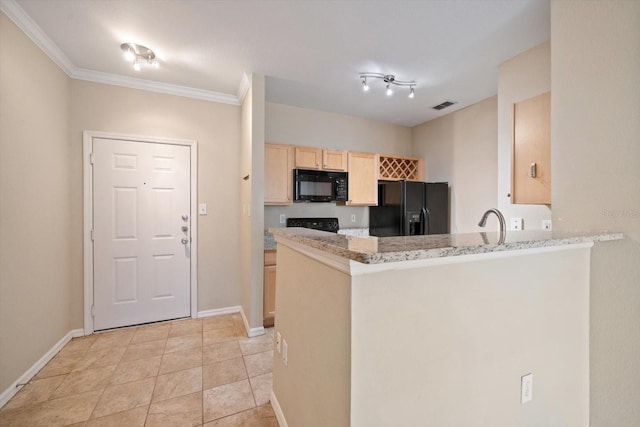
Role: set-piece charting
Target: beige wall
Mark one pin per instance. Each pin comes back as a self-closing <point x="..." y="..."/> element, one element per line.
<point x="458" y="338"/>
<point x="519" y="78"/>
<point x="252" y="200"/>
<point x="313" y="389"/>
<point x="461" y="148"/>
<point x="99" y="107"/>
<point x="35" y="193"/>
<point x="301" y="126"/>
<point x="595" y="140"/>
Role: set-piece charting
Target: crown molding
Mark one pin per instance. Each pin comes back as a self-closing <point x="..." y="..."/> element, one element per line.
<point x="151" y="86"/>
<point x="28" y="26"/>
<point x="13" y="10"/>
<point x="245" y="84"/>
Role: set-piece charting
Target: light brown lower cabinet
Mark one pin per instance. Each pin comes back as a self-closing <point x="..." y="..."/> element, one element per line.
<point x="269" y="296"/>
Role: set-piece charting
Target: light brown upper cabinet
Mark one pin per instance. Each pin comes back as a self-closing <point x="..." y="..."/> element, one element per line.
<point x="532" y="151"/>
<point x="334" y="160"/>
<point x="278" y="175"/>
<point x="319" y="158"/>
<point x="363" y="179"/>
<point x="308" y="158"/>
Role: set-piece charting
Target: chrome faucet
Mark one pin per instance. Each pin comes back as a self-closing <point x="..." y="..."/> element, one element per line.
<point x="503" y="228"/>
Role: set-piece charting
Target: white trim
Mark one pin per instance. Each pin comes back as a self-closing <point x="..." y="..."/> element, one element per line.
<point x="11" y="391"/>
<point x="251" y="332"/>
<point x="151" y="86"/>
<point x="23" y="21"/>
<point x="354" y="268"/>
<point x="87" y="197"/>
<point x="219" y="311"/>
<point x="282" y="422"/>
<point x="358" y="268"/>
<point x="243" y="89"/>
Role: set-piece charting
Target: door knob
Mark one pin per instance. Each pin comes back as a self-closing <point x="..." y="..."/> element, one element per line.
<point x="184" y="241"/>
<point x="185" y="217"/>
<point x="185" y="228"/>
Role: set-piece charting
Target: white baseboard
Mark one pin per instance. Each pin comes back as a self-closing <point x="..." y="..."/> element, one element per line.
<point x="33" y="370"/>
<point x="219" y="311"/>
<point x="251" y="332"/>
<point x="278" y="410"/>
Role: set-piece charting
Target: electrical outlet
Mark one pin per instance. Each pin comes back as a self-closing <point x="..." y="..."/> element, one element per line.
<point x="517" y="224"/>
<point x="285" y="351"/>
<point x="202" y="208"/>
<point x="278" y="342"/>
<point x="283" y="218"/>
<point x="353" y="217"/>
<point x="526" y="388"/>
<point x="546" y="224"/>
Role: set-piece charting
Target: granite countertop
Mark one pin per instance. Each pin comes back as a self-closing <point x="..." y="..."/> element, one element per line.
<point x="270" y="241"/>
<point x="376" y="250"/>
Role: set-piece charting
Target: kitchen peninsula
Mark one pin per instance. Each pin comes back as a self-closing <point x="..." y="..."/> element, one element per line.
<point x="432" y="330"/>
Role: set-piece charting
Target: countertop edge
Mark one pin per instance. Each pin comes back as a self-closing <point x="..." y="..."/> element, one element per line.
<point x="314" y="239"/>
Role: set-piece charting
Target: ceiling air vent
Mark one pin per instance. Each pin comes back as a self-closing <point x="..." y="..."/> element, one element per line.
<point x="444" y="105"/>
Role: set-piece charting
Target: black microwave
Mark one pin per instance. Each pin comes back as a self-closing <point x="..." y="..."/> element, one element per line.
<point x="319" y="186"/>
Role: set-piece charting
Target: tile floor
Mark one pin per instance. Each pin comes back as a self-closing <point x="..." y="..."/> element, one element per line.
<point x="194" y="372"/>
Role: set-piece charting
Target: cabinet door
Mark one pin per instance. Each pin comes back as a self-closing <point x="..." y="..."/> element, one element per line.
<point x="269" y="295"/>
<point x="334" y="160"/>
<point x="308" y="158"/>
<point x="278" y="176"/>
<point x="363" y="179"/>
<point x="532" y="150"/>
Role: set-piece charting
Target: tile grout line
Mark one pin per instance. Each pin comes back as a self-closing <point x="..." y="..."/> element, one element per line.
<point x="237" y="336"/>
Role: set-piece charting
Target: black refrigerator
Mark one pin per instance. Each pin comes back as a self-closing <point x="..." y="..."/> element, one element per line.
<point x="408" y="208"/>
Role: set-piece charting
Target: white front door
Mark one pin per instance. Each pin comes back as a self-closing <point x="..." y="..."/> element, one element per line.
<point x="142" y="228"/>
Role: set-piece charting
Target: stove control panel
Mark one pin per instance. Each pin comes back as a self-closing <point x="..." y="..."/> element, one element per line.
<point x="323" y="224"/>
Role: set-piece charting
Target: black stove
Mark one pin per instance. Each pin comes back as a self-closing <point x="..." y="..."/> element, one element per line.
<point x="323" y="224"/>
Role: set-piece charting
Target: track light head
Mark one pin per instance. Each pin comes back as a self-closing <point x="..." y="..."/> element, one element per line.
<point x="136" y="53"/>
<point x="365" y="86"/>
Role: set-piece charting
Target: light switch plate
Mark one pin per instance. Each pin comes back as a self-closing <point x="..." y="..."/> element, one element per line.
<point x="526" y="388"/>
<point x="202" y="208"/>
<point x="283" y="218"/>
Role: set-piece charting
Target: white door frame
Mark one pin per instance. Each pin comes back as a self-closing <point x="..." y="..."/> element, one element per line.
<point x="87" y="192"/>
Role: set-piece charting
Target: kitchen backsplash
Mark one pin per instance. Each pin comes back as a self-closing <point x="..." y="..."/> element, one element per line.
<point x="317" y="210"/>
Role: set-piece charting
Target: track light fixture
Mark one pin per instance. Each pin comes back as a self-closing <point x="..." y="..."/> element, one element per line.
<point x="136" y="53"/>
<point x="389" y="79"/>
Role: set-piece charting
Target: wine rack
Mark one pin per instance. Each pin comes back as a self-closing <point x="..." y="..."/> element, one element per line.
<point x="396" y="168"/>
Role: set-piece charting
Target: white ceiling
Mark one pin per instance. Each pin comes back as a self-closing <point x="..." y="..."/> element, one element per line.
<point x="311" y="52"/>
